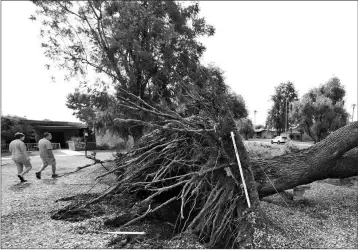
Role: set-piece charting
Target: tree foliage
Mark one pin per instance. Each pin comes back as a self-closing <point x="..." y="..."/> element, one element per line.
<point x="277" y="114"/>
<point x="12" y="124"/>
<point x="245" y="127"/>
<point x="143" y="47"/>
<point x="210" y="81"/>
<point x="321" y="110"/>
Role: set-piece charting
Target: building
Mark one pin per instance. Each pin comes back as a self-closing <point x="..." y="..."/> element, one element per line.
<point x="263" y="133"/>
<point x="295" y="134"/>
<point x="61" y="131"/>
<point x="292" y="133"/>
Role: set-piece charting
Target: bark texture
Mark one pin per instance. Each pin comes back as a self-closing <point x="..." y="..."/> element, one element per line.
<point x="334" y="157"/>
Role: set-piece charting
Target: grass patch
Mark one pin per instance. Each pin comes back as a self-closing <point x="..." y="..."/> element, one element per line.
<point x="265" y="151"/>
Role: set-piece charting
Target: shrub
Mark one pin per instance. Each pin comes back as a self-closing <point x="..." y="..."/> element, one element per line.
<point x="78" y="144"/>
<point x="290" y="148"/>
<point x="263" y="150"/>
<point x="120" y="146"/>
<point x="103" y="146"/>
<point x="76" y="139"/>
<point x="306" y="137"/>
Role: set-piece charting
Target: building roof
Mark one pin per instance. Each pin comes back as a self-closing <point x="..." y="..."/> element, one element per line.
<point x="55" y="124"/>
<point x="56" y="127"/>
<point x="259" y="130"/>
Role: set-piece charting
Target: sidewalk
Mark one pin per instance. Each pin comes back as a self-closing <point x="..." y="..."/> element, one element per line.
<point x="57" y="153"/>
<point x="71" y="152"/>
<point x="300" y="144"/>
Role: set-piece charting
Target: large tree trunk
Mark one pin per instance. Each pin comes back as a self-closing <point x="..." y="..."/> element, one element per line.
<point x="326" y="159"/>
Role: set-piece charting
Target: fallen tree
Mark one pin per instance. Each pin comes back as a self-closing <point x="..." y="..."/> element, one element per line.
<point x="190" y="163"/>
<point x="188" y="160"/>
<point x="334" y="157"/>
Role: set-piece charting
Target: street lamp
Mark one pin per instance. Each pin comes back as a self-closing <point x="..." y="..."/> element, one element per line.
<point x="353" y="105"/>
<point x="255" y="111"/>
<point x="286" y="118"/>
<point x="85" y="138"/>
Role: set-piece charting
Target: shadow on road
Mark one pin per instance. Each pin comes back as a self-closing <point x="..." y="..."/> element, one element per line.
<point x="50" y="181"/>
<point x="19" y="187"/>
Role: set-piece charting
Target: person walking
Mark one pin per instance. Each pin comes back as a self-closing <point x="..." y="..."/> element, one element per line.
<point x="19" y="156"/>
<point x="46" y="155"/>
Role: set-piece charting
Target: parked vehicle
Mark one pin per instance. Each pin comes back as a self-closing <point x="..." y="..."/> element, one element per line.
<point x="279" y="140"/>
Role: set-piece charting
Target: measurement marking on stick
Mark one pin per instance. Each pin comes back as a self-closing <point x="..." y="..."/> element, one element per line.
<point x="241" y="172"/>
<point x="142" y="233"/>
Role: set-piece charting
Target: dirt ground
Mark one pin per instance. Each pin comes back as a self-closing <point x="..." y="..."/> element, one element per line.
<point x="326" y="218"/>
<point x="26" y="207"/>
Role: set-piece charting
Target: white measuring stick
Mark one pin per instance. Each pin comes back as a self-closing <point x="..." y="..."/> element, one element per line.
<point x="125" y="232"/>
<point x="241" y="173"/>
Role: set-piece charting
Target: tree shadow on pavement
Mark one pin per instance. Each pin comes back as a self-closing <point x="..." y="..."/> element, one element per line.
<point x="19" y="187"/>
<point x="50" y="181"/>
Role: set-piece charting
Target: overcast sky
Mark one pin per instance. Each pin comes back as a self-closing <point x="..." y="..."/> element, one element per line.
<point x="257" y="44"/>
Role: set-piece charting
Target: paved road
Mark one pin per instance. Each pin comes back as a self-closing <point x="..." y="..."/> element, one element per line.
<point x="301" y="145"/>
<point x="26" y="207"/>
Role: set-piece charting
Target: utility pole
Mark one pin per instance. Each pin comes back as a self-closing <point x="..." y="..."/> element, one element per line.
<point x="353" y="105"/>
<point x="286" y="118"/>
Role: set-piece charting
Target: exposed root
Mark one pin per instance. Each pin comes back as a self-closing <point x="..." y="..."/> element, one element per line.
<point x="191" y="161"/>
<point x="187" y="167"/>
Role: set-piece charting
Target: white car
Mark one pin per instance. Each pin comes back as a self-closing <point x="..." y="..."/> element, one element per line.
<point x="279" y="140"/>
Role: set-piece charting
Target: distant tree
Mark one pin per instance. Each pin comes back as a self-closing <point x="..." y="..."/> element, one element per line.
<point x="82" y="105"/>
<point x="276" y="117"/>
<point x="321" y="110"/>
<point x="245" y="127"/>
<point x="99" y="110"/>
<point x="12" y="124"/>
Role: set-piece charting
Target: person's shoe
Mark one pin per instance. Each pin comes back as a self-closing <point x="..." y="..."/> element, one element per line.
<point x="54" y="176"/>
<point x="38" y="175"/>
<point x="21" y="178"/>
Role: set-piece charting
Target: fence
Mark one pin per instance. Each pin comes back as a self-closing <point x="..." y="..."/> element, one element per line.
<point x="30" y="147"/>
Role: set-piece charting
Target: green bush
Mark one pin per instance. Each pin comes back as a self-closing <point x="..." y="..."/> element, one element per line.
<point x="306" y="137"/>
<point x="267" y="151"/>
<point x="103" y="146"/>
<point x="76" y="143"/>
<point x="263" y="150"/>
<point x="76" y="139"/>
<point x="290" y="148"/>
<point x="120" y="146"/>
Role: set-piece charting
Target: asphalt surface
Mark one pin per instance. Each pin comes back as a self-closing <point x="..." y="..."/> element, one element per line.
<point x="301" y="145"/>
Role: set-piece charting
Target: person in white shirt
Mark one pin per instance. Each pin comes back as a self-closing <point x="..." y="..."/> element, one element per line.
<point x="46" y="155"/>
<point x="19" y="155"/>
